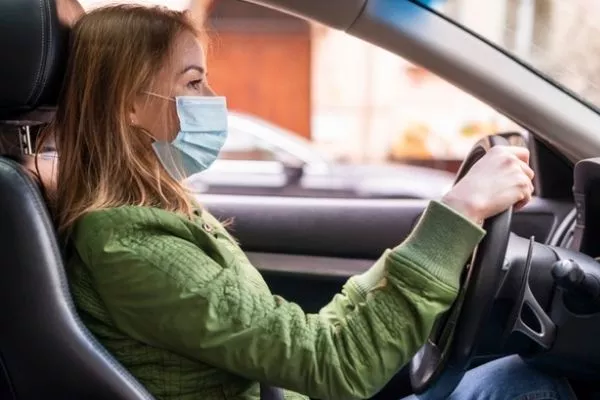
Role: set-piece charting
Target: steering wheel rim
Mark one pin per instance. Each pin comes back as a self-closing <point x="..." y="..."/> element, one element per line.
<point x="440" y="364"/>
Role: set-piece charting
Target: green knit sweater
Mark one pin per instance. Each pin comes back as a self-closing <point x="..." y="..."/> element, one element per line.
<point x="180" y="306"/>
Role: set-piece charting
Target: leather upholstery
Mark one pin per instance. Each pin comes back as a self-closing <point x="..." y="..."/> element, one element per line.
<point x="32" y="48"/>
<point x="45" y="351"/>
<point x="44" y="348"/>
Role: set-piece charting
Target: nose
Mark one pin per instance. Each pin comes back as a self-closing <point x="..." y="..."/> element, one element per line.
<point x="208" y="91"/>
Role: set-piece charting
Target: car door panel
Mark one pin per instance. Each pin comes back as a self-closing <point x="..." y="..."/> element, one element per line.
<point x="293" y="264"/>
<point x="305" y="279"/>
<point x="307" y="248"/>
<point x="348" y="228"/>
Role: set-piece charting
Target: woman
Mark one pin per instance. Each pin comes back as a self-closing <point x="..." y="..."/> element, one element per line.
<point x="168" y="291"/>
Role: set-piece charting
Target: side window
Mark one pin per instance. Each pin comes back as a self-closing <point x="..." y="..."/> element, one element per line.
<point x="375" y="124"/>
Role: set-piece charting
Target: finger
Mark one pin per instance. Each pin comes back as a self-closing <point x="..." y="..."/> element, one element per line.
<point x="526" y="195"/>
<point x="531" y="188"/>
<point x="527" y="170"/>
<point x="519" y="205"/>
<point x="521" y="152"/>
<point x="523" y="202"/>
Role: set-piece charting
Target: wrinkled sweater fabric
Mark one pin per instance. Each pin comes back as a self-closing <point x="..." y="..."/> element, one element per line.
<point x="178" y="303"/>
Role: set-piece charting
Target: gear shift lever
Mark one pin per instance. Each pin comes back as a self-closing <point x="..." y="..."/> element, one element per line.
<point x="582" y="290"/>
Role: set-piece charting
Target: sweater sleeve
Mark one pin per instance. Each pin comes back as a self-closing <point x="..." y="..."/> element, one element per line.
<point x="167" y="292"/>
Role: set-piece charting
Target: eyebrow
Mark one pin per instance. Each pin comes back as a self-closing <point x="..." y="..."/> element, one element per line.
<point x="198" y="68"/>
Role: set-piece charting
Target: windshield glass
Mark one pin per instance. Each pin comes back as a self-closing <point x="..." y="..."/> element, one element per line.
<point x="559" y="38"/>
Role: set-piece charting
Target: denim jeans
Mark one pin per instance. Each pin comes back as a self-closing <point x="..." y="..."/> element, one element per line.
<point x="508" y="378"/>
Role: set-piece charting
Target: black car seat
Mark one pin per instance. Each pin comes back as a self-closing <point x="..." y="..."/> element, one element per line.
<point x="45" y="351"/>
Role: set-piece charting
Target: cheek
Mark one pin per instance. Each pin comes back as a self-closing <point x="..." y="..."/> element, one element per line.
<point x="172" y="123"/>
<point x="160" y="119"/>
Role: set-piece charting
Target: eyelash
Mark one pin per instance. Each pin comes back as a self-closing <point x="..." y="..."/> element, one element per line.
<point x="195" y="84"/>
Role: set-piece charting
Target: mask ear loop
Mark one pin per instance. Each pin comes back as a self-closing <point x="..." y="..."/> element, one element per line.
<point x="160" y="96"/>
<point x="141" y="128"/>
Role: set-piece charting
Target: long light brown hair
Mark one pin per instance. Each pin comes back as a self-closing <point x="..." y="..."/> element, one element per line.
<point x="105" y="161"/>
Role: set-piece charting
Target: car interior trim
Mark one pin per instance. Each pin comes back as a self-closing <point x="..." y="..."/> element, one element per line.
<point x="339" y="14"/>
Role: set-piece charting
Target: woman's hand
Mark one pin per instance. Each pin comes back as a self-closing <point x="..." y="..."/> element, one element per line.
<point x="500" y="179"/>
<point x="69" y="11"/>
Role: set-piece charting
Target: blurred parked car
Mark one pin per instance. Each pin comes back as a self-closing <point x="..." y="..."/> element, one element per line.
<point x="260" y="158"/>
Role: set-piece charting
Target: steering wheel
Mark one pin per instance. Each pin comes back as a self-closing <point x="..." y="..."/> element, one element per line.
<point x="440" y="364"/>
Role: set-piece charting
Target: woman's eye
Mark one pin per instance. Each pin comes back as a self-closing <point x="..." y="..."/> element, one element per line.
<point x="196" y="84"/>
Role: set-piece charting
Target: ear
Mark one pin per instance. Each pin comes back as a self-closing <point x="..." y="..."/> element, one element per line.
<point x="133" y="116"/>
<point x="69" y="11"/>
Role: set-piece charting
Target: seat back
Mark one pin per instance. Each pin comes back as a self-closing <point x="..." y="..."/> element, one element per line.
<point x="45" y="351"/>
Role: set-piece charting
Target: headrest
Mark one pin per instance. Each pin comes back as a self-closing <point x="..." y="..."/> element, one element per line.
<point x="33" y="47"/>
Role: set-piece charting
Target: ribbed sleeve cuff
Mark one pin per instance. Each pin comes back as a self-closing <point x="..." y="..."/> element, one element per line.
<point x="441" y="243"/>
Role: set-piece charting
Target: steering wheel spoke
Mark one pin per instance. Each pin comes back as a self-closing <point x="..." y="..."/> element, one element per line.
<point x="547" y="328"/>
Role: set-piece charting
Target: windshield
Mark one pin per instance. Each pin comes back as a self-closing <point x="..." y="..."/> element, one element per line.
<point x="559" y="38"/>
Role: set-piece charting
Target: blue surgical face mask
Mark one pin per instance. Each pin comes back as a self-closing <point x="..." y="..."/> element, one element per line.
<point x="203" y="131"/>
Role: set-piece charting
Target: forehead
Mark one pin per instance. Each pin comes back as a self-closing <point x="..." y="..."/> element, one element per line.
<point x="188" y="51"/>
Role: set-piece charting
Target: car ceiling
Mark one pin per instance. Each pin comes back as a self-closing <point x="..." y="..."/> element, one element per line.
<point x="465" y="60"/>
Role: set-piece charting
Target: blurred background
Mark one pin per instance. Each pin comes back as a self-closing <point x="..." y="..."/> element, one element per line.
<point x="315" y="111"/>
